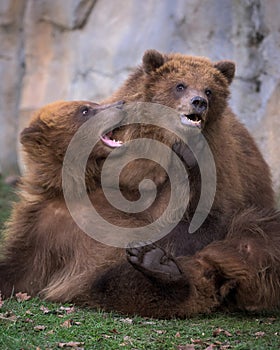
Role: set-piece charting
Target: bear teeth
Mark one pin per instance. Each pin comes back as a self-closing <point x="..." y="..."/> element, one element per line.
<point x="191" y="120"/>
<point x="108" y="141"/>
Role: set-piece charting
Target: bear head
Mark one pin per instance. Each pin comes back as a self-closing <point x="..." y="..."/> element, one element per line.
<point x="46" y="140"/>
<point x="194" y="86"/>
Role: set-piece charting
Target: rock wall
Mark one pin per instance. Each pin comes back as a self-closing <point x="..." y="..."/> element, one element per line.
<point x="11" y="74"/>
<point x="84" y="49"/>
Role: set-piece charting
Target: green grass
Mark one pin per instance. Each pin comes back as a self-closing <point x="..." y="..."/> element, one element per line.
<point x="29" y="325"/>
<point x="7" y="196"/>
<point x="35" y="324"/>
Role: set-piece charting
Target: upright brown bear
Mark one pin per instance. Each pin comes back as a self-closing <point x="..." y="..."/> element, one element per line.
<point x="241" y="271"/>
<point x="231" y="260"/>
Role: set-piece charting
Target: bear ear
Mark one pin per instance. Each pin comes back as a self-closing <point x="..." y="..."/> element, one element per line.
<point x="227" y="68"/>
<point x="152" y="60"/>
<point x="31" y="135"/>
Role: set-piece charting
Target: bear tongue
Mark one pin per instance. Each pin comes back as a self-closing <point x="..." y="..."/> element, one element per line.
<point x="109" y="142"/>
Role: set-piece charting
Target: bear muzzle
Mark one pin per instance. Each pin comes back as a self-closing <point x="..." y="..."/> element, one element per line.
<point x="194" y="114"/>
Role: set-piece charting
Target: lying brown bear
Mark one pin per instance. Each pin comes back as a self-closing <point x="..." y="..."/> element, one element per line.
<point x="184" y="273"/>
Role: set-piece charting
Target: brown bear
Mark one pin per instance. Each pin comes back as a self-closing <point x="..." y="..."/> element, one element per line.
<point x="241" y="269"/>
<point x="46" y="252"/>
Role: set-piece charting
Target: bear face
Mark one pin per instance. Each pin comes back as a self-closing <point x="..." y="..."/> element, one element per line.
<point x="51" y="120"/>
<point x="194" y="86"/>
<point x="46" y="139"/>
<point x="198" y="100"/>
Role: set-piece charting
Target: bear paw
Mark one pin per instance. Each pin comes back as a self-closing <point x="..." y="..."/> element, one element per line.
<point x="154" y="262"/>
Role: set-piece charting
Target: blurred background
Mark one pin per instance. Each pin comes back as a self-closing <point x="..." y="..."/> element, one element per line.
<point x="84" y="49"/>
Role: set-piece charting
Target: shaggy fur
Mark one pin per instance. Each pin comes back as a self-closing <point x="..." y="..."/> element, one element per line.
<point x="231" y="261"/>
<point x="240" y="269"/>
<point x="241" y="272"/>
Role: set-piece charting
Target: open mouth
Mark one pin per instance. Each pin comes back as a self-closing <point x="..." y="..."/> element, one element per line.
<point x="109" y="140"/>
<point x="193" y="120"/>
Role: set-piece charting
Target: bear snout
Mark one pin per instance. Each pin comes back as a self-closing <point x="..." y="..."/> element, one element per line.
<point x="199" y="104"/>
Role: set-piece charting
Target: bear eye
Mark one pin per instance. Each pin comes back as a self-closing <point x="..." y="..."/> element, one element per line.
<point x="85" y="110"/>
<point x="208" y="92"/>
<point x="180" y="87"/>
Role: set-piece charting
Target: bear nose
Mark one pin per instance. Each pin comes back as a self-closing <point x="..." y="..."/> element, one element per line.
<point x="199" y="103"/>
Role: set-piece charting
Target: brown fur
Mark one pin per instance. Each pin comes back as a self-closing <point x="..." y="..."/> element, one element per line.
<point x="229" y="260"/>
<point x="241" y="271"/>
